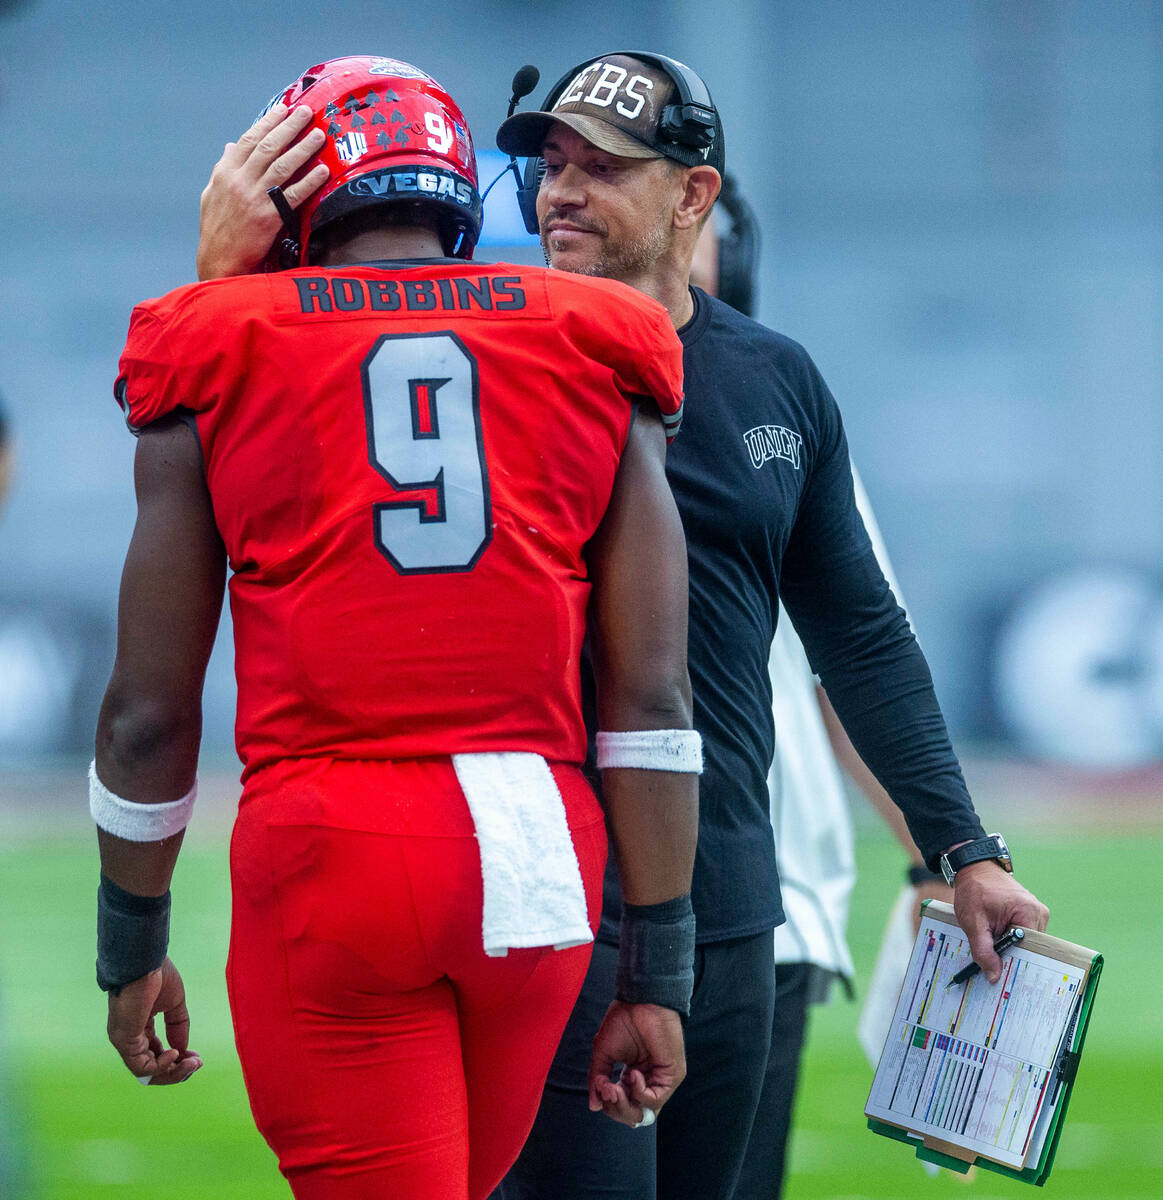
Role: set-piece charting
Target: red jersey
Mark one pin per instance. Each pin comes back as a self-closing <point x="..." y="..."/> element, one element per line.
<point x="406" y="462"/>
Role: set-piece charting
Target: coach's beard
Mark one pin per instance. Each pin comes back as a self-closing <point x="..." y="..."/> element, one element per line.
<point x="629" y="260"/>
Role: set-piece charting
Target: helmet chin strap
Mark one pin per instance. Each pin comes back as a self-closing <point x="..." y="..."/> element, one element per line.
<point x="290" y="254"/>
<point x="290" y="248"/>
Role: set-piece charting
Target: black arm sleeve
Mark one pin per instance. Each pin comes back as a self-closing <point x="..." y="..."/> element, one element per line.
<point x="859" y="642"/>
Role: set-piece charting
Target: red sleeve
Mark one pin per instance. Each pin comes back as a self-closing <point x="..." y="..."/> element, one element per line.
<point x="143" y="387"/>
<point x="658" y="367"/>
<point x="167" y="363"/>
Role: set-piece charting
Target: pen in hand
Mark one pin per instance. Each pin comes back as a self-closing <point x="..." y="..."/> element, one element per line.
<point x="1012" y="938"/>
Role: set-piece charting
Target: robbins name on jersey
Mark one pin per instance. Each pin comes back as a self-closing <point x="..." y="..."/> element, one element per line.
<point x="341" y="293"/>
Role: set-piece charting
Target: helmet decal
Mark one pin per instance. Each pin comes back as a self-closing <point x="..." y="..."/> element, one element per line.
<point x="351" y="146"/>
<point x="393" y="66"/>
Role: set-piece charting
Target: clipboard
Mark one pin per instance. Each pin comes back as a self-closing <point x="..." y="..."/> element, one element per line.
<point x="927" y="1043"/>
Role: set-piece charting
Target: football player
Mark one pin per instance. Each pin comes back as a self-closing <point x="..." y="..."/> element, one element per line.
<point x="419" y="474"/>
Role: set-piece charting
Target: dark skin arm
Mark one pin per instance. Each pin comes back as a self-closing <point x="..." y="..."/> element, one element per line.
<point x="151" y="718"/>
<point x="638" y="631"/>
<point x="638" y="634"/>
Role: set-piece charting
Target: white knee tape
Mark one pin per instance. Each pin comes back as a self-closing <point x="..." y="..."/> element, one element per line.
<point x="652" y="750"/>
<point x="137" y="822"/>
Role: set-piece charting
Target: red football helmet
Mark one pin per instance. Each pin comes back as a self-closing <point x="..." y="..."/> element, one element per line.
<point x="394" y="135"/>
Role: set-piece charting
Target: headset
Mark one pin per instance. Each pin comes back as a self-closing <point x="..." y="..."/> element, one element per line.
<point x="691" y="125"/>
<point x="738" y="250"/>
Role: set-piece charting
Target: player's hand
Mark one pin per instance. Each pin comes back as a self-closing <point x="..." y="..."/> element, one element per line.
<point x="239" y="223"/>
<point x="647" y="1039"/>
<point x="988" y="901"/>
<point x="131" y="1028"/>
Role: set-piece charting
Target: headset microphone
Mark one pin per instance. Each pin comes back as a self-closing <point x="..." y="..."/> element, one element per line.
<point x="525" y="80"/>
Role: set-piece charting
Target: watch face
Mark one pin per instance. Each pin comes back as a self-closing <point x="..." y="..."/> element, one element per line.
<point x="1003" y="852"/>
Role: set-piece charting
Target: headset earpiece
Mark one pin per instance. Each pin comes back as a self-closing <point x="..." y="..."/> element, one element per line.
<point x="690" y="121"/>
<point x="527" y="193"/>
<point x="691" y="125"/>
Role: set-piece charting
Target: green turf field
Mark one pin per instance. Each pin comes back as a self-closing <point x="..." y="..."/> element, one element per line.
<point x="1103" y="893"/>
<point x="86" y="1130"/>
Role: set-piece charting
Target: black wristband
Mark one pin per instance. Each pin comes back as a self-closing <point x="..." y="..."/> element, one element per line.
<point x="133" y="935"/>
<point x="656" y="951"/>
<point x="919" y="874"/>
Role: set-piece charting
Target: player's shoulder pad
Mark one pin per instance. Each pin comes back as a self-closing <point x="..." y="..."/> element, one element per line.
<point x="180" y="331"/>
<point x="206" y="298"/>
<point x="591" y="289"/>
<point x="625" y="326"/>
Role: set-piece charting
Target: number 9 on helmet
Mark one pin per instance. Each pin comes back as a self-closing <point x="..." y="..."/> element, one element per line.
<point x="394" y="137"/>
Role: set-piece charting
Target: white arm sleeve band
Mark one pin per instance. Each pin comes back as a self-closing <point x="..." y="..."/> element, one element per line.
<point x="137" y="822"/>
<point x="652" y="750"/>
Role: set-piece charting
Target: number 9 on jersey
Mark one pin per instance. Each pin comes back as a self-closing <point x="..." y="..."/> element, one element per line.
<point x="422" y="403"/>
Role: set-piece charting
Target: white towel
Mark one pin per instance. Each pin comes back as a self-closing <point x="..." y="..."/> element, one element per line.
<point x="532" y="882"/>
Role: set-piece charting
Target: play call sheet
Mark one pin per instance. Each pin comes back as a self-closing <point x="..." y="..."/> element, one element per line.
<point x="975" y="1065"/>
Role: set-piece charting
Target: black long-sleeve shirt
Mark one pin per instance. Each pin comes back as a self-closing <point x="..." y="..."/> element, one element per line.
<point x="762" y="479"/>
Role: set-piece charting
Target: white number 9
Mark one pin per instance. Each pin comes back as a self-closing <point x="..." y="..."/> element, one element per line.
<point x="424" y="438"/>
<point x="441" y="136"/>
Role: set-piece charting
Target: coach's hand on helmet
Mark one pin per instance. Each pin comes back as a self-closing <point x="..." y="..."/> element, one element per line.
<point x="131" y="1027"/>
<point x="239" y="223"/>
<point x="647" y="1039"/>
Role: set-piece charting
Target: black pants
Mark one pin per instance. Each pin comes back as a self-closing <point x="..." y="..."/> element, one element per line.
<point x="763" y="1165"/>
<point x="696" y="1149"/>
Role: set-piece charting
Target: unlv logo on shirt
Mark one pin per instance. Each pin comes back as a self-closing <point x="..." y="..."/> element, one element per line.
<point x="766" y="442"/>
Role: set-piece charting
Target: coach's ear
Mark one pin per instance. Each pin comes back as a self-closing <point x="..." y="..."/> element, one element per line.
<point x="701" y="187"/>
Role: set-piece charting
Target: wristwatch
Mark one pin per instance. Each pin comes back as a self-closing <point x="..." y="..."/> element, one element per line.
<point x="984" y="848"/>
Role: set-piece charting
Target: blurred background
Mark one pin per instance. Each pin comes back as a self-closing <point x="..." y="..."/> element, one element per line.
<point x="960" y="206"/>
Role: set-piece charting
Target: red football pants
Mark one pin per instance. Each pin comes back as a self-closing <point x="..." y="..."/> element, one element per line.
<point x="384" y="1054"/>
